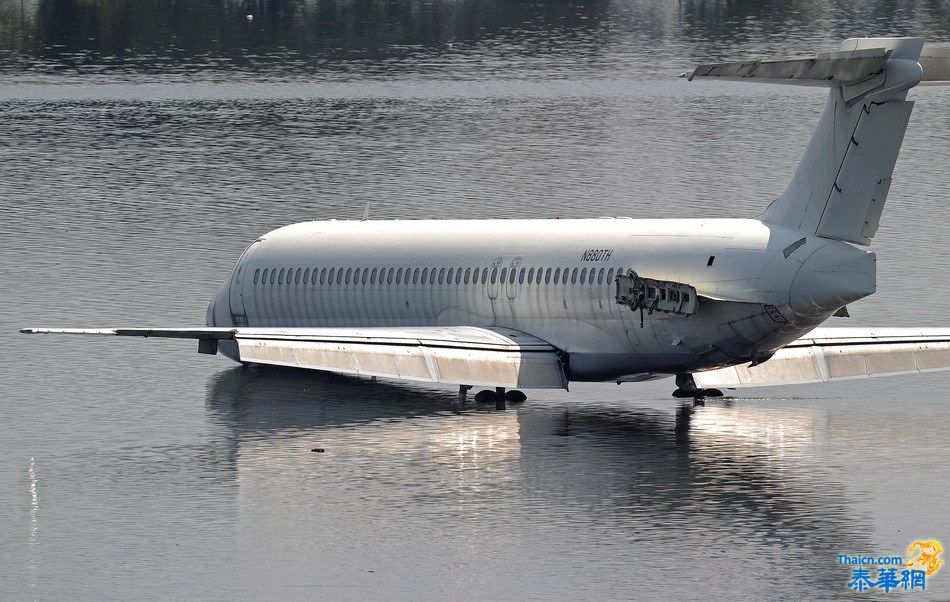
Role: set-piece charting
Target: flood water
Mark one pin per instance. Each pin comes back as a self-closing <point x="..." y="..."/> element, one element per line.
<point x="143" y="145"/>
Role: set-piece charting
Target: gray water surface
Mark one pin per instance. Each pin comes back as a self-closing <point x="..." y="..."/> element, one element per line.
<point x="143" y="146"/>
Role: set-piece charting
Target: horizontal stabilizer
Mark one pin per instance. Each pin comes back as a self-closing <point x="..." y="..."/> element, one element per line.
<point x="826" y="69"/>
<point x="490" y="357"/>
<point x="827" y="354"/>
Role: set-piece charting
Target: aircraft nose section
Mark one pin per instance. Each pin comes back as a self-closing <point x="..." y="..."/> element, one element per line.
<point x="834" y="275"/>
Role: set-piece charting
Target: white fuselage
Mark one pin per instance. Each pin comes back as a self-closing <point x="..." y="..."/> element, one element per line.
<point x="761" y="286"/>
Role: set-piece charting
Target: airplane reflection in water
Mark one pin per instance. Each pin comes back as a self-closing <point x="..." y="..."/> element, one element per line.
<point x="742" y="475"/>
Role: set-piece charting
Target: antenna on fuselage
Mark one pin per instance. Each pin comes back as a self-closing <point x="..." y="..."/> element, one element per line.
<point x="365" y="213"/>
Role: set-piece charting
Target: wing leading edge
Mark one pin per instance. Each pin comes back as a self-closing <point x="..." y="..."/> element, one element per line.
<point x="827" y="354"/>
<point x="491" y="357"/>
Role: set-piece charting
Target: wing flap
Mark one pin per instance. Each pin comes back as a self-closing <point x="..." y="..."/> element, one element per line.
<point x="935" y="61"/>
<point x="479" y="367"/>
<point x="828" y="354"/>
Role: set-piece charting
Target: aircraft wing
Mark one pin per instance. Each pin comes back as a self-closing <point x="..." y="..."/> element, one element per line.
<point x="467" y="355"/>
<point x="827" y="354"/>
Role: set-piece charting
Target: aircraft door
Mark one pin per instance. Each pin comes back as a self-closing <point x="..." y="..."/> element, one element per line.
<point x="236" y="297"/>
<point x="236" y="290"/>
<point x="515" y="278"/>
<point x="493" y="276"/>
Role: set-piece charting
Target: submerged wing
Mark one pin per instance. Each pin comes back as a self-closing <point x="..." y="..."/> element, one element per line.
<point x="493" y="357"/>
<point x="827" y="354"/>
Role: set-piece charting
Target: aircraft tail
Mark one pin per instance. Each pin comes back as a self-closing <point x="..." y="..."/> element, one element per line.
<point x="840" y="185"/>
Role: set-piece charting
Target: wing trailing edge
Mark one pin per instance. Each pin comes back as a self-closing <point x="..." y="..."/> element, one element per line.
<point x="828" y="354"/>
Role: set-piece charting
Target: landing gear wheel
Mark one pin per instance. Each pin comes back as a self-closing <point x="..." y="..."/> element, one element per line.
<point x="515" y="396"/>
<point x="686" y="388"/>
<point x="486" y="396"/>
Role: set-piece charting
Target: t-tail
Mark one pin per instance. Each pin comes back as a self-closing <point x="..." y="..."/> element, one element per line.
<point x="840" y="186"/>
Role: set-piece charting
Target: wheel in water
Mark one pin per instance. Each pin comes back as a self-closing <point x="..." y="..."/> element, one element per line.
<point x="515" y="396"/>
<point x="486" y="396"/>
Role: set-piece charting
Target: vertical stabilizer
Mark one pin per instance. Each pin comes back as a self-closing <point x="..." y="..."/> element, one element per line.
<point x="840" y="185"/>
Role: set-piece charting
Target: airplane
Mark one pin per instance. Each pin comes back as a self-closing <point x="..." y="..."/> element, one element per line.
<point x="507" y="305"/>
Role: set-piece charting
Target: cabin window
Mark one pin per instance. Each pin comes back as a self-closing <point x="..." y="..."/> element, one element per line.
<point x="557" y="275"/>
<point x="600" y="276"/>
<point x="306" y="275"/>
<point x="610" y="275"/>
<point x="512" y="275"/>
<point x="475" y="276"/>
<point x="425" y="275"/>
<point x="280" y="276"/>
<point x="494" y="275"/>
<point x="323" y="273"/>
<point x="685" y="297"/>
<point x="329" y="276"/>
<point x="448" y="279"/>
<point x="365" y="273"/>
<point x="442" y="276"/>
<point x="415" y="276"/>
<point x="257" y="273"/>
<point x="547" y="276"/>
<point x="356" y="275"/>
<point x="583" y="275"/>
<point x="651" y="292"/>
<point x="590" y="279"/>
<point x="675" y="296"/>
<point x="468" y="273"/>
<point x="339" y="276"/>
<point x="521" y="275"/>
<point x="296" y="276"/>
<point x="432" y="276"/>
<point x="349" y="273"/>
<point x="710" y="261"/>
<point x="399" y="276"/>
<point x="531" y="275"/>
<point x="573" y="276"/>
<point x="264" y="276"/>
<point x="372" y="276"/>
<point x="313" y="276"/>
<point x="663" y="294"/>
<point x="389" y="275"/>
<point x="484" y="275"/>
<point x="458" y="276"/>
